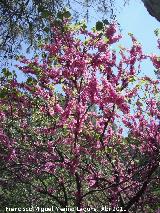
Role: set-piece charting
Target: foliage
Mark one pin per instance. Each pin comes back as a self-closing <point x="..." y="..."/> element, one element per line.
<point x="29" y="21"/>
<point x="83" y="129"/>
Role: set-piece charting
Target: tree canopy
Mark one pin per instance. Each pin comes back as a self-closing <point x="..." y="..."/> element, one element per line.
<point x="27" y="21"/>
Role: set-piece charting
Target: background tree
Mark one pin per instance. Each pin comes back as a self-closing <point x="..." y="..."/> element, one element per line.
<point x="29" y="21"/>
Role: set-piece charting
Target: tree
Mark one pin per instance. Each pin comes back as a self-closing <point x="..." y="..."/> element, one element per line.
<point x="153" y="7"/>
<point x="29" y="21"/>
<point x="83" y="129"/>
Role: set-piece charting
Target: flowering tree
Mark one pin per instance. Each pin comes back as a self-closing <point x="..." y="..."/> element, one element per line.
<point x="83" y="129"/>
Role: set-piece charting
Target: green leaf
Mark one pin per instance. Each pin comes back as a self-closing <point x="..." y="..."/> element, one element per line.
<point x="30" y="26"/>
<point x="97" y="136"/>
<point x="44" y="55"/>
<point x="157" y="32"/>
<point x="66" y="14"/>
<point x="84" y="26"/>
<point x="57" y="23"/>
<point x="130" y="34"/>
<point x="109" y="149"/>
<point x="40" y="8"/>
<point x="14" y="74"/>
<point x="39" y="37"/>
<point x="6" y="72"/>
<point x="46" y="13"/>
<point x="60" y="15"/>
<point x="106" y="22"/>
<point x="31" y="81"/>
<point x="132" y="79"/>
<point x="99" y="25"/>
<point x="46" y="29"/>
<point x="3" y="93"/>
<point x="105" y="39"/>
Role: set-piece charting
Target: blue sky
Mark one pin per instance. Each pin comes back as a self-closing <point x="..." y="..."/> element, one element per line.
<point x="134" y="18"/>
